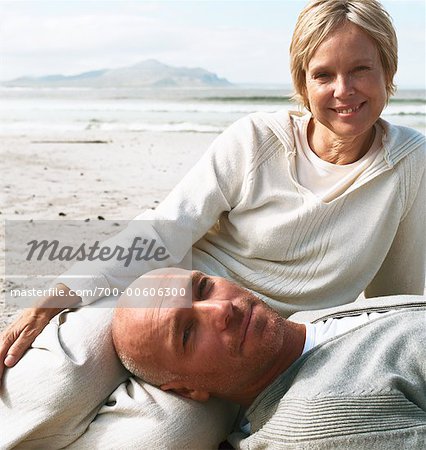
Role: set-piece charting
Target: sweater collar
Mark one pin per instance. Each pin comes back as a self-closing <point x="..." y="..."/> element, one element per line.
<point x="265" y="404"/>
<point x="397" y="141"/>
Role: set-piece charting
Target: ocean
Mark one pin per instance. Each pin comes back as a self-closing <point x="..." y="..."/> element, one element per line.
<point x="200" y="110"/>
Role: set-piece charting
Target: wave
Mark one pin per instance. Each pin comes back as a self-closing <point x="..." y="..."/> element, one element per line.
<point x="251" y="99"/>
<point x="7" y="108"/>
<point x="136" y="106"/>
<point x="404" y="114"/>
<point x="415" y="100"/>
<point x="45" y="126"/>
<point x="42" y="127"/>
<point x="166" y="127"/>
<point x="405" y="110"/>
<point x="288" y="99"/>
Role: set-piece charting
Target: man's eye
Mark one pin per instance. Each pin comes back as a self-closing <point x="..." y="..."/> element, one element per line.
<point x="201" y="287"/>
<point x="186" y="334"/>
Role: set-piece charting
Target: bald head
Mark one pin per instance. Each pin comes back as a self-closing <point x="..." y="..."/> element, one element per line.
<point x="134" y="352"/>
<point x="135" y="314"/>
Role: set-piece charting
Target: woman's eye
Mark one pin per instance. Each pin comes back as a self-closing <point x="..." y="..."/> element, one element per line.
<point x="186" y="334"/>
<point x="361" y="69"/>
<point x="321" y="76"/>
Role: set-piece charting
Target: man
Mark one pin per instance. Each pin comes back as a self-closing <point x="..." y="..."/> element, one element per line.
<point x="362" y="384"/>
<point x="233" y="342"/>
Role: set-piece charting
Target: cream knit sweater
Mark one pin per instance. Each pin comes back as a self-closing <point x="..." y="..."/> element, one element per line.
<point x="249" y="220"/>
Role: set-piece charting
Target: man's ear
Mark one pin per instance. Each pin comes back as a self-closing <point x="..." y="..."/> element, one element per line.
<point x="179" y="388"/>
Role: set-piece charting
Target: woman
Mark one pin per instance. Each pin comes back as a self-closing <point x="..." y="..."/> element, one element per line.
<point x="311" y="209"/>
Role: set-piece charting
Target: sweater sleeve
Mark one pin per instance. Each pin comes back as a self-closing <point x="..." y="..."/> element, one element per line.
<point x="214" y="185"/>
<point x="403" y="270"/>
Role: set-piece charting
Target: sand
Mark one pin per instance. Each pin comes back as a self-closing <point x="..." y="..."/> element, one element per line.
<point x="89" y="174"/>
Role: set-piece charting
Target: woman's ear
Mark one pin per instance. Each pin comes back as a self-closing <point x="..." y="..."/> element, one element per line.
<point x="179" y="388"/>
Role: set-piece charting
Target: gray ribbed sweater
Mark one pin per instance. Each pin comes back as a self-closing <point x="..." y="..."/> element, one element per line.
<point x="249" y="220"/>
<point x="363" y="389"/>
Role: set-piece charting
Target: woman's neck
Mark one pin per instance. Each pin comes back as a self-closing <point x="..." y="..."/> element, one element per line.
<point x="336" y="150"/>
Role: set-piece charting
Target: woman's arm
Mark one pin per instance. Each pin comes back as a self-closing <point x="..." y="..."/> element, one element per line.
<point x="403" y="270"/>
<point x="214" y="185"/>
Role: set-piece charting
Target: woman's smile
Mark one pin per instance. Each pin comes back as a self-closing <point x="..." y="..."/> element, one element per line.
<point x="347" y="110"/>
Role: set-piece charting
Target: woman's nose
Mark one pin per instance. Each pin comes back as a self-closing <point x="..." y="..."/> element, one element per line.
<point x="216" y="313"/>
<point x="343" y="86"/>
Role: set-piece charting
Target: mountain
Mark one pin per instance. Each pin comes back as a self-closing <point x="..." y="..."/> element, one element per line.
<point x="149" y="73"/>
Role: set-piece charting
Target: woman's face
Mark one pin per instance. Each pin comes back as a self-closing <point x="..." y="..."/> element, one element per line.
<point x="345" y="82"/>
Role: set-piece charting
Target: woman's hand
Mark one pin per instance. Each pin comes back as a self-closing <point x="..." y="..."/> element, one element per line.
<point x="17" y="338"/>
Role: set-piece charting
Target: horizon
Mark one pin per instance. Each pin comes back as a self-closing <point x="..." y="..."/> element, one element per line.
<point x="233" y="85"/>
<point x="190" y="34"/>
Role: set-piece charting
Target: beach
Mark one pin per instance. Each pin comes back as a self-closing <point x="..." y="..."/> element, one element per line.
<point x="89" y="174"/>
<point x="79" y="154"/>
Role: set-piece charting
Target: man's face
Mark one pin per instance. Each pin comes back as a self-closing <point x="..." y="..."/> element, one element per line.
<point x="228" y="340"/>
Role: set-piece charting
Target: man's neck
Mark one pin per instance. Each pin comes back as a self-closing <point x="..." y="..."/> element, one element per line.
<point x="291" y="350"/>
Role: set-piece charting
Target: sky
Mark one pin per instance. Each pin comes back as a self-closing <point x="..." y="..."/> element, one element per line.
<point x="245" y="41"/>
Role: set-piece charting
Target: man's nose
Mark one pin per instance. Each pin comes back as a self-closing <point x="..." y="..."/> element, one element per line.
<point x="217" y="313"/>
<point x="343" y="86"/>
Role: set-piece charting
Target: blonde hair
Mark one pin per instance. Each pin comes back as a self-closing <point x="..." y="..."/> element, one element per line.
<point x="321" y="17"/>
